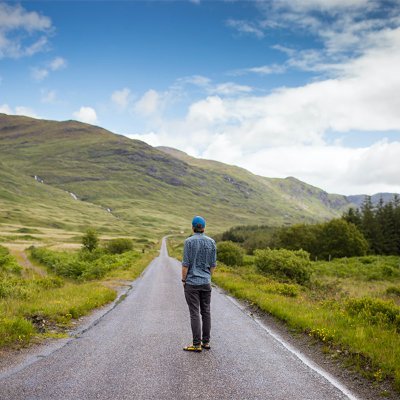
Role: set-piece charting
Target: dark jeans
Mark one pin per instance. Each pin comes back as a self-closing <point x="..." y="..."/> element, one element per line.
<point x="198" y="299"/>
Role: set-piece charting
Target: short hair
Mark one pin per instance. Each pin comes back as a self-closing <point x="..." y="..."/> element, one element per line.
<point x="199" y="228"/>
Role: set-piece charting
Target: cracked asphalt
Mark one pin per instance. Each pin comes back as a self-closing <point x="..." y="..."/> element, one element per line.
<point x="135" y="352"/>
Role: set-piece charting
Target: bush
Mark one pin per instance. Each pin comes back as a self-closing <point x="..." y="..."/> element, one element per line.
<point x="230" y="253"/>
<point x="340" y="238"/>
<point x="119" y="246"/>
<point x="8" y="263"/>
<point x="83" y="265"/>
<point x="90" y="239"/>
<point x="375" y="311"/>
<point x="14" y="288"/>
<point x="285" y="265"/>
<point x="61" y="263"/>
<point x="49" y="282"/>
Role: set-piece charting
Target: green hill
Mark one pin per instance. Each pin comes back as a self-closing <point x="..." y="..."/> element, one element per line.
<point x="125" y="185"/>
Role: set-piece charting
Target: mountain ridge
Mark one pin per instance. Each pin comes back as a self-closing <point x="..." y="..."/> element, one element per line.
<point x="146" y="186"/>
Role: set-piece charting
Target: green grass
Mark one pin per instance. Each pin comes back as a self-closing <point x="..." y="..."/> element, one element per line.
<point x="362" y="325"/>
<point x="38" y="307"/>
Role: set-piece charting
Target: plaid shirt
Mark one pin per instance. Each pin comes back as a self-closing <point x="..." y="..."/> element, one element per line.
<point x="199" y="255"/>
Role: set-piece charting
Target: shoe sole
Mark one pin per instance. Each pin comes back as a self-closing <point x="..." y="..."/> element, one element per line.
<point x="193" y="350"/>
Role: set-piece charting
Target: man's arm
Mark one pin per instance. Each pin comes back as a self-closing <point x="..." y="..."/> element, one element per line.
<point x="213" y="259"/>
<point x="184" y="272"/>
<point x="185" y="262"/>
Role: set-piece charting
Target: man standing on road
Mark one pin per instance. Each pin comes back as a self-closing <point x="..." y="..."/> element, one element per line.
<point x="198" y="264"/>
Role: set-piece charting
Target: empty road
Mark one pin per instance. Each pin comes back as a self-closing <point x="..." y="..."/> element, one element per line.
<point x="135" y="352"/>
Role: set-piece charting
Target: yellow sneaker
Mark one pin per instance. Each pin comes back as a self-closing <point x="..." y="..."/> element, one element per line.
<point x="192" y="347"/>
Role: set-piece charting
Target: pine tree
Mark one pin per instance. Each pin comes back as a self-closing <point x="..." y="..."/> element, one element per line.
<point x="380" y="239"/>
<point x="396" y="223"/>
<point x="353" y="216"/>
<point x="369" y="227"/>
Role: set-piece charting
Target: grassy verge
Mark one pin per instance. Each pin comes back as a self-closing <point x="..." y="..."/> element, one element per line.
<point x="360" y="325"/>
<point x="175" y="246"/>
<point x="38" y="307"/>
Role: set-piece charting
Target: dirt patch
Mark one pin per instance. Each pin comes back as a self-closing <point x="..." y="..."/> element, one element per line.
<point x="19" y="253"/>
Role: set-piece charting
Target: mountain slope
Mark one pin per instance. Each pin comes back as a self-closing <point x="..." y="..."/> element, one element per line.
<point x="144" y="186"/>
<point x="292" y="195"/>
<point x="359" y="199"/>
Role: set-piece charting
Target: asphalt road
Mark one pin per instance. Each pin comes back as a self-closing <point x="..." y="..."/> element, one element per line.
<point x="135" y="352"/>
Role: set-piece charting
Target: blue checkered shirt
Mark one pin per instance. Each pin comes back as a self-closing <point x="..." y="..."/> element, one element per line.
<point x="199" y="255"/>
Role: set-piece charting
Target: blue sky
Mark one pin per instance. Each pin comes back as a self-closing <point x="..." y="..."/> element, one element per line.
<point x="304" y="88"/>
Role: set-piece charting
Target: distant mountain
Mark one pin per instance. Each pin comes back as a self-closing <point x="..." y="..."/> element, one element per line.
<point x="359" y="199"/>
<point x="50" y="168"/>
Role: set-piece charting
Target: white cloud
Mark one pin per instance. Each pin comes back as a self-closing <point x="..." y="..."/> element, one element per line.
<point x="208" y="111"/>
<point x="57" y="64"/>
<point x="121" y="98"/>
<point x="323" y="5"/>
<point x="206" y="85"/>
<point x="285" y="132"/>
<point x="22" y="32"/>
<point x="343" y="27"/>
<point x="245" y="27"/>
<point x="334" y="168"/>
<point x="197" y="80"/>
<point x="230" y="88"/>
<point x="150" y="138"/>
<point x="16" y="17"/>
<point x="6" y="109"/>
<point x="39" y="73"/>
<point x="262" y="70"/>
<point x="18" y="110"/>
<point x="148" y="104"/>
<point x="28" y="112"/>
<point x="86" y="114"/>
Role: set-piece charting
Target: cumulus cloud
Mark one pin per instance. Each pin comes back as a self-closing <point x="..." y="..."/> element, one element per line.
<point x="285" y="132"/>
<point x="121" y="98"/>
<point x="18" y="110"/>
<point x="6" y="109"/>
<point x="148" y="104"/>
<point x="86" y="114"/>
<point x="22" y="32"/>
<point x="336" y="169"/>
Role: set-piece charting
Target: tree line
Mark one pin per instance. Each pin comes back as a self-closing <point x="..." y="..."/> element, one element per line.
<point x="368" y="230"/>
<point x="379" y="224"/>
